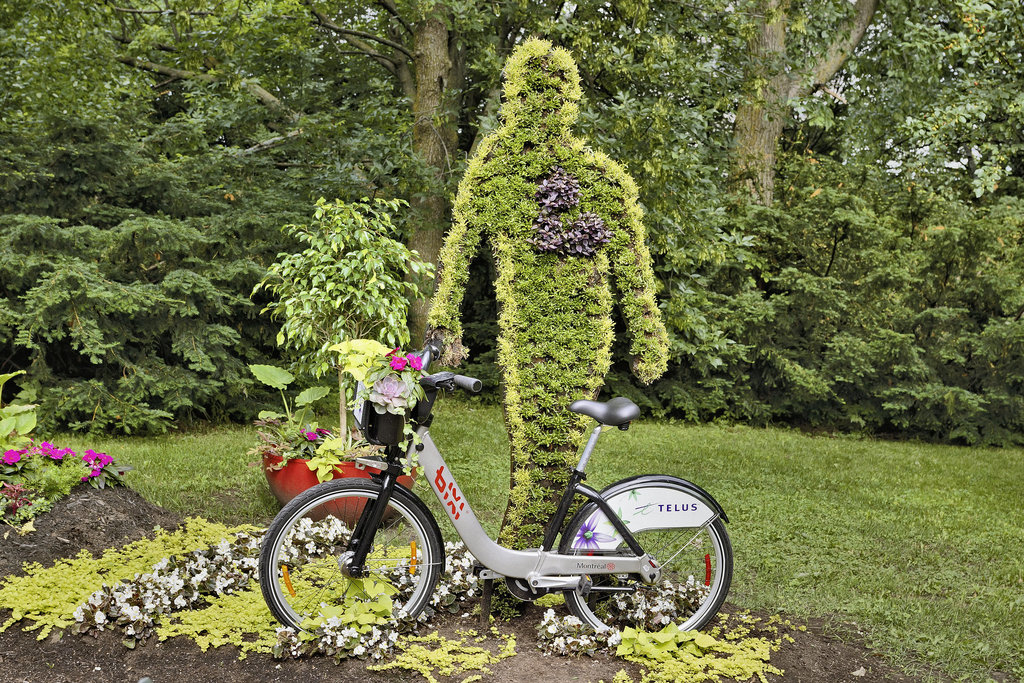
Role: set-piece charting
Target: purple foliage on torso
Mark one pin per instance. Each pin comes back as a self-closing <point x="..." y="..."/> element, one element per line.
<point x="585" y="235"/>
<point x="556" y="194"/>
<point x="548" y="235"/>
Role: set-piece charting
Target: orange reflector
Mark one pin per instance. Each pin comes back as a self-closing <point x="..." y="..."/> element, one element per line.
<point x="412" y="555"/>
<point x="287" y="580"/>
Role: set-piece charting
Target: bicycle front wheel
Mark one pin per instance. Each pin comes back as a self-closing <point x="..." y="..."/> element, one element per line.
<point x="696" y="570"/>
<point x="301" y="557"/>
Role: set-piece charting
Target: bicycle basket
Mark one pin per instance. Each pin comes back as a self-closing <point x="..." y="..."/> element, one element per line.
<point x="382" y="429"/>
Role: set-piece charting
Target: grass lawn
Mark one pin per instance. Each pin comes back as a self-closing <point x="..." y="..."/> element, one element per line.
<point x="920" y="546"/>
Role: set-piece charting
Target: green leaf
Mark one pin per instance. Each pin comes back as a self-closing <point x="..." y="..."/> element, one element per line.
<point x="311" y="395"/>
<point x="9" y="375"/>
<point x="26" y="422"/>
<point x="704" y="641"/>
<point x="272" y="376"/>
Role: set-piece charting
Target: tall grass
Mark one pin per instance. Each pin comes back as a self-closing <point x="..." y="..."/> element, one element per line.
<point x="919" y="546"/>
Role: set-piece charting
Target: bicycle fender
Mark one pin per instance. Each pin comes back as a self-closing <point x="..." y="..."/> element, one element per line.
<point x="648" y="480"/>
<point x="648" y="501"/>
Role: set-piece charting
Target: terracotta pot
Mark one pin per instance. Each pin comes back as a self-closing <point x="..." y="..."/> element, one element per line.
<point x="296" y="477"/>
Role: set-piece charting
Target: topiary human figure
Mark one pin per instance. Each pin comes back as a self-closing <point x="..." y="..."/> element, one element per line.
<point x="564" y="225"/>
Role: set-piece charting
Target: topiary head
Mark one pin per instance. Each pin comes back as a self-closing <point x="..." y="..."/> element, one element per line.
<point x="542" y="87"/>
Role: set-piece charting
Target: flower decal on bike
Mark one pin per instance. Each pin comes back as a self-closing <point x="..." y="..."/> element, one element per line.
<point x="589" y="539"/>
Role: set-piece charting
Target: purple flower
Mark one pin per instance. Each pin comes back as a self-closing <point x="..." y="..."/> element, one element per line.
<point x="589" y="539"/>
<point x="310" y="436"/>
<point x="12" y="456"/>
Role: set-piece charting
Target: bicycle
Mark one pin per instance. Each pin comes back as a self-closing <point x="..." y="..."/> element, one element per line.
<point x="645" y="551"/>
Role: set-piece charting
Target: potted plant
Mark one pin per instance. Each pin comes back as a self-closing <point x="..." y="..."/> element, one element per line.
<point x="354" y="280"/>
<point x="389" y="388"/>
<point x="297" y="453"/>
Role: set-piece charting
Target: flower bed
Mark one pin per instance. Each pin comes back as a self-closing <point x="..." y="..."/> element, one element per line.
<point x="200" y="581"/>
<point x="34" y="477"/>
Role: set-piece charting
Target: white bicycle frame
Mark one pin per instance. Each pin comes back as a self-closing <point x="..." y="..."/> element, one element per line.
<point x="541" y="569"/>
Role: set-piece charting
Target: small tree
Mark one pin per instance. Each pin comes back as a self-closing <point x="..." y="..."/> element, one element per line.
<point x="347" y="284"/>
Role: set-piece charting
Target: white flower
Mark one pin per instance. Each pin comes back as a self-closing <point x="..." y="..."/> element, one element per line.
<point x="101" y="618"/>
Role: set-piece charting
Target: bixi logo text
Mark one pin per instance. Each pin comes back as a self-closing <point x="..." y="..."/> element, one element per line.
<point x="452" y="495"/>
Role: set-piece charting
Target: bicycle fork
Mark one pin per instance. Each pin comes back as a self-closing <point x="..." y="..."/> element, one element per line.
<point x="352" y="561"/>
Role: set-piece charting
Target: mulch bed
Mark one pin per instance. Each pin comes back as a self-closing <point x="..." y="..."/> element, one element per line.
<point x="96" y="520"/>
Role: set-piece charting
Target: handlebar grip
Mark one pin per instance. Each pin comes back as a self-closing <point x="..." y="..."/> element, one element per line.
<point x="470" y="384"/>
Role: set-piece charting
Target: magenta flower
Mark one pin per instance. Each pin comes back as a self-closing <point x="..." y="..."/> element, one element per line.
<point x="12" y="456"/>
<point x="399" y="363"/>
<point x="415" y="362"/>
<point x="96" y="461"/>
<point x="310" y="436"/>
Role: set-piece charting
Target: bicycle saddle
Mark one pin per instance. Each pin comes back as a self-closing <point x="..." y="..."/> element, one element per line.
<point x="616" y="412"/>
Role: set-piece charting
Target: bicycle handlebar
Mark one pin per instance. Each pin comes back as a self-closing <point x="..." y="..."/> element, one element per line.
<point x="470" y="384"/>
<point x="431" y="352"/>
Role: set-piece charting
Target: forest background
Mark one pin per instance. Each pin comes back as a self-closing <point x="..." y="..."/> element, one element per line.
<point x="833" y="193"/>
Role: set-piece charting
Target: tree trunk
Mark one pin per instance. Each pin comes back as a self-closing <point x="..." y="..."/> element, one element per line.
<point x="342" y="408"/>
<point x="435" y="140"/>
<point x="760" y="120"/>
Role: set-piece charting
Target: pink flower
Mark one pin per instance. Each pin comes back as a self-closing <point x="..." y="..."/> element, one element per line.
<point x="12" y="456"/>
<point x="310" y="436"/>
<point x="398" y="363"/>
<point x="415" y="362"/>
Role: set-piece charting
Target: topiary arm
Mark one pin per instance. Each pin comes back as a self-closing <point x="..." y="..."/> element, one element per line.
<point x="444" y="325"/>
<point x="634" y="278"/>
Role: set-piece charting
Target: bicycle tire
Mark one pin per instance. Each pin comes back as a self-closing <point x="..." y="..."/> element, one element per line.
<point x="299" y="571"/>
<point x="696" y="575"/>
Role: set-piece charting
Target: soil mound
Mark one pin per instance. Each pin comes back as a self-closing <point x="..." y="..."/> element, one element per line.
<point x="93" y="519"/>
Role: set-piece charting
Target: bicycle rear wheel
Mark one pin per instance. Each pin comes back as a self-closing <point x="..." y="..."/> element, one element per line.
<point x="300" y="561"/>
<point x="696" y="566"/>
